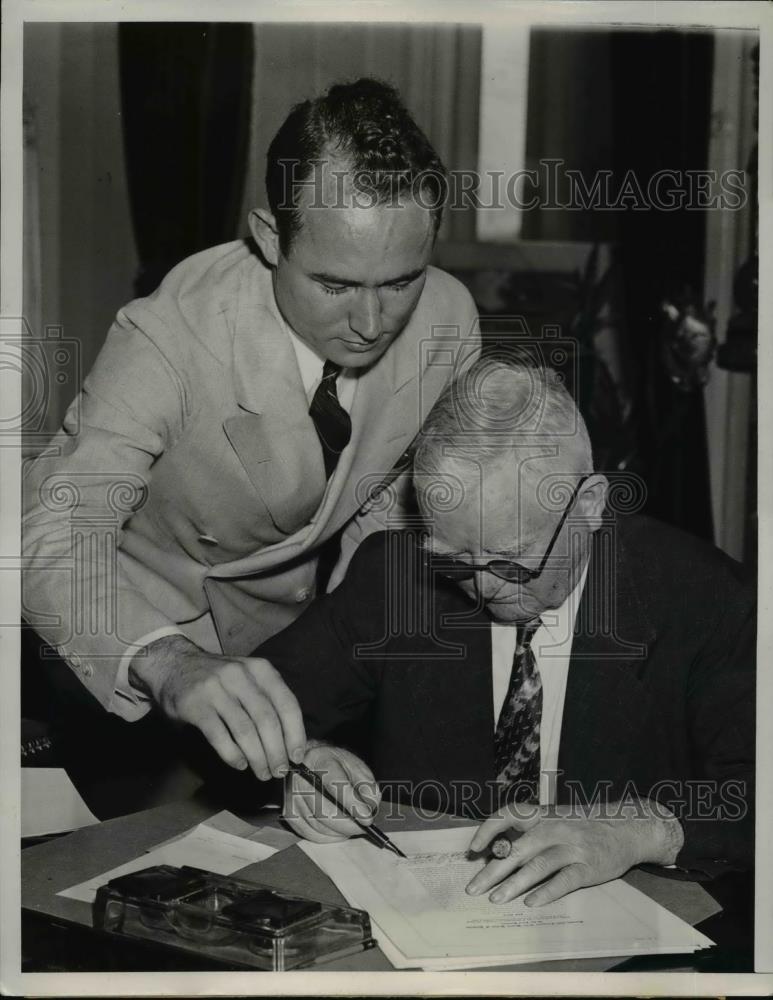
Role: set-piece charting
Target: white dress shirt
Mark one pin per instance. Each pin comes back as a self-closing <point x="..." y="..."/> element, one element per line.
<point x="310" y="365"/>
<point x="552" y="648"/>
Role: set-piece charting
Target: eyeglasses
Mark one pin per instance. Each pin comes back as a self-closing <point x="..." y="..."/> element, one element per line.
<point x="505" y="569"/>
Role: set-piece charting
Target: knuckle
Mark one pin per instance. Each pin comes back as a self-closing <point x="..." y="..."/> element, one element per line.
<point x="242" y="729"/>
<point x="261" y="668"/>
<point x="231" y="672"/>
<point x="210" y="685"/>
<point x="539" y="864"/>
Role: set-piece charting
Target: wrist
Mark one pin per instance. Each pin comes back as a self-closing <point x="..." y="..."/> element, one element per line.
<point x="150" y="667"/>
<point x="666" y="834"/>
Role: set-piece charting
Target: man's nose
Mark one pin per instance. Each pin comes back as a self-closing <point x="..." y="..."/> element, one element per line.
<point x="487" y="584"/>
<point x="365" y="316"/>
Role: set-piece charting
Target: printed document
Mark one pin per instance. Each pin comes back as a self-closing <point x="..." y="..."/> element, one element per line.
<point x="424" y="918"/>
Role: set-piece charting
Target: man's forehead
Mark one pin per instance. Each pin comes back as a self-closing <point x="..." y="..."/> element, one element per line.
<point x="334" y="182"/>
<point x="364" y="243"/>
<point x="495" y="528"/>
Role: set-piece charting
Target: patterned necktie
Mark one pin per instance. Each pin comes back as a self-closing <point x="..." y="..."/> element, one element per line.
<point x="333" y="424"/>
<point x="516" y="741"/>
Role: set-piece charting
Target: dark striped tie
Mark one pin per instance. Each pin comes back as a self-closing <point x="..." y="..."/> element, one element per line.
<point x="517" y="739"/>
<point x="333" y="424"/>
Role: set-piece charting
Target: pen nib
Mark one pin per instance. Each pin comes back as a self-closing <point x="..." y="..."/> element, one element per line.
<point x="396" y="850"/>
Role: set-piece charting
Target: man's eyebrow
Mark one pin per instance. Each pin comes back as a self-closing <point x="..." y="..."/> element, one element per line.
<point x="331" y="279"/>
<point x="486" y="553"/>
<point x="514" y="550"/>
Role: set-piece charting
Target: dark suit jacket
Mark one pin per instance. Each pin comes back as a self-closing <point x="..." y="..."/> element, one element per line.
<point x="660" y="690"/>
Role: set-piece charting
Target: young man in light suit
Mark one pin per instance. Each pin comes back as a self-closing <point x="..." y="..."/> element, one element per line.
<point x="237" y="420"/>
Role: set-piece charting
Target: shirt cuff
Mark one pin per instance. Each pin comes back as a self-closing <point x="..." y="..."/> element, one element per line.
<point x="123" y="688"/>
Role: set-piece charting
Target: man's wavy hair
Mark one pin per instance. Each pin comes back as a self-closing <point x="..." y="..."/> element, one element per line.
<point x="366" y="126"/>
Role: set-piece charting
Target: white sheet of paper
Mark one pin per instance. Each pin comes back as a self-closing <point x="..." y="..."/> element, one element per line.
<point x="202" y="847"/>
<point x="423" y="917"/>
<point x="50" y="803"/>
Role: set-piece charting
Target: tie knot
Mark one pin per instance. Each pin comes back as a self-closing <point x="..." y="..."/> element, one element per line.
<point x="330" y="370"/>
<point x="525" y="633"/>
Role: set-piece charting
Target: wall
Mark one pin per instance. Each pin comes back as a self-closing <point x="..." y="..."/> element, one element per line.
<point x="87" y="255"/>
<point x="728" y="394"/>
<point x="435" y="67"/>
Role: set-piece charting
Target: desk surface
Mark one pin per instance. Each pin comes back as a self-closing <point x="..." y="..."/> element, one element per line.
<point x="48" y="868"/>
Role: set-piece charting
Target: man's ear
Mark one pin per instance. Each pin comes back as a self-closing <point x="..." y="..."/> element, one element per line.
<point x="593" y="499"/>
<point x="263" y="228"/>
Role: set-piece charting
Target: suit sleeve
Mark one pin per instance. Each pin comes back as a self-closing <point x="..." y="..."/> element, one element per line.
<point x="323" y="656"/>
<point x="77" y="496"/>
<point x="718" y="820"/>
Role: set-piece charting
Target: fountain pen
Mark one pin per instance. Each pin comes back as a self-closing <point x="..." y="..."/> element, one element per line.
<point x="373" y="834"/>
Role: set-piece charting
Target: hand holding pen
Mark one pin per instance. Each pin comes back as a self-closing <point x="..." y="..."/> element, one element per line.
<point x="338" y="800"/>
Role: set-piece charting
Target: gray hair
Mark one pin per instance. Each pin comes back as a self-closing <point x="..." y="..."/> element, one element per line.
<point x="495" y="408"/>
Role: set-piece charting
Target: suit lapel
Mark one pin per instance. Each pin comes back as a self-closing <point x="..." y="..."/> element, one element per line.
<point x="273" y="436"/>
<point x="282" y="456"/>
<point x="606" y="692"/>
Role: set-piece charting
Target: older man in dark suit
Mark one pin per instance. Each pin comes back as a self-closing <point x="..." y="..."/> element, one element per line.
<point x="530" y="655"/>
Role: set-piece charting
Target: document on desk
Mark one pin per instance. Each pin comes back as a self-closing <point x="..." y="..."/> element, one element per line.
<point x="204" y="846"/>
<point x="50" y="803"/>
<point x="424" y="918"/>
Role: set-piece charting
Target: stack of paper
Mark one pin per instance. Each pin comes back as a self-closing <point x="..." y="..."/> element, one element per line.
<point x="423" y="918"/>
<point x="210" y="846"/>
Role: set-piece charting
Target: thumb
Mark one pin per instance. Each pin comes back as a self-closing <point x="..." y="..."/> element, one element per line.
<point x="521" y="816"/>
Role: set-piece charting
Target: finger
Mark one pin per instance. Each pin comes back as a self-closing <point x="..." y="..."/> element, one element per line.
<point x="310" y="807"/>
<point x="536" y="870"/>
<point x="285" y="705"/>
<point x="563" y="882"/>
<point x="244" y="734"/>
<point x="218" y="737"/>
<point x="269" y="731"/>
<point x="349" y="779"/>
<point x="337" y="780"/>
<point x="362" y="781"/>
<point x="521" y="816"/>
<point x="527" y="846"/>
<point x="264" y="724"/>
<point x="298" y="818"/>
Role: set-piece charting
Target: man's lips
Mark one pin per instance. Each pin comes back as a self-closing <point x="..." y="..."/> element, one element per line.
<point x="361" y="347"/>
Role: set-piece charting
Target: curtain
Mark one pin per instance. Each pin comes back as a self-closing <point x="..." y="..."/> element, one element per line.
<point x="185" y="99"/>
<point x="635" y="100"/>
<point x="436" y="68"/>
<point x="37" y="408"/>
<point x="661" y="113"/>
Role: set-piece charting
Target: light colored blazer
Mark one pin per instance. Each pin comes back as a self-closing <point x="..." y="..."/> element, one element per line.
<point x="186" y="487"/>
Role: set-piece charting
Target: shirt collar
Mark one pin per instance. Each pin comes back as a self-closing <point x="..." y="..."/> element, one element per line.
<point x="310" y="364"/>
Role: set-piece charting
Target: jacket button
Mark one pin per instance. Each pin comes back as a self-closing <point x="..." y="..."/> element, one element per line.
<point x="88" y="670"/>
<point x="302" y="595"/>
